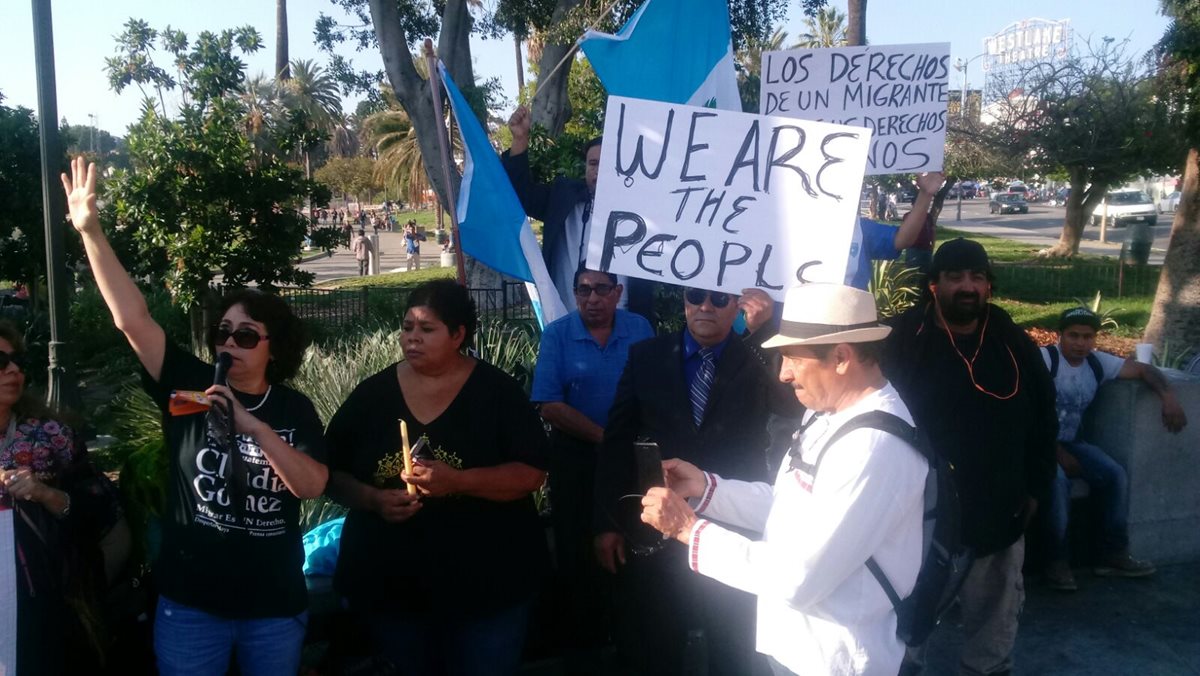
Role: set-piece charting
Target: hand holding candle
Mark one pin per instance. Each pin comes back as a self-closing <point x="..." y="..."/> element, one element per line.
<point x="408" y="465"/>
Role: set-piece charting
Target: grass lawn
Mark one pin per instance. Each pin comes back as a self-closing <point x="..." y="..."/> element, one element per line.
<point x="391" y="280"/>
<point x="1011" y="251"/>
<point x="1130" y="312"/>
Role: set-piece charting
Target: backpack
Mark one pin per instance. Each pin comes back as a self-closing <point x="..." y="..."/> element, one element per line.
<point x="1092" y="360"/>
<point x="945" y="559"/>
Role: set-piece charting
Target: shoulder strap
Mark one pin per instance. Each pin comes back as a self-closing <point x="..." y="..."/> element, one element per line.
<point x="1097" y="368"/>
<point x="1052" y="350"/>
<point x="879" y="420"/>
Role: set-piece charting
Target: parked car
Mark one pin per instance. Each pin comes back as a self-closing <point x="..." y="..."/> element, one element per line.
<point x="1059" y="199"/>
<point x="1127" y="206"/>
<point x="1008" y="203"/>
<point x="1169" y="203"/>
<point x="907" y="194"/>
<point x="969" y="190"/>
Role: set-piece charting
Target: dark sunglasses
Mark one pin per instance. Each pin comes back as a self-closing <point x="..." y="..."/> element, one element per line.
<point x="602" y="290"/>
<point x="7" y="358"/>
<point x="245" y="338"/>
<point x="696" y="297"/>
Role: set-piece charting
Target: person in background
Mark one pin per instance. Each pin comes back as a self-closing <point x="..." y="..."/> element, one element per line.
<point x="879" y="241"/>
<point x="230" y="576"/>
<point x="443" y="580"/>
<point x="361" y="246"/>
<point x="847" y="496"/>
<point x="708" y="396"/>
<point x="579" y="363"/>
<point x="412" y="246"/>
<point x="977" y="387"/>
<point x="1078" y="370"/>
<point x="565" y="209"/>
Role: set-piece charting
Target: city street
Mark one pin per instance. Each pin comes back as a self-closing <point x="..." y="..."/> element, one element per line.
<point x="1042" y="226"/>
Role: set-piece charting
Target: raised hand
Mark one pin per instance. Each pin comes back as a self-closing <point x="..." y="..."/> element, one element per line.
<point x="931" y="183"/>
<point x="81" y="196"/>
<point x="518" y="124"/>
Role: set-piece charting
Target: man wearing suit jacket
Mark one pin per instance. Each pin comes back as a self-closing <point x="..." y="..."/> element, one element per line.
<point x="565" y="209"/>
<point x="725" y="424"/>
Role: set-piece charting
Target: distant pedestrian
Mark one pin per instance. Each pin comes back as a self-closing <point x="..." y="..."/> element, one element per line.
<point x="361" y="246"/>
<point x="412" y="246"/>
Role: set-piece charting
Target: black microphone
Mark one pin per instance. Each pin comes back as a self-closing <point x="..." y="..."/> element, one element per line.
<point x="221" y="372"/>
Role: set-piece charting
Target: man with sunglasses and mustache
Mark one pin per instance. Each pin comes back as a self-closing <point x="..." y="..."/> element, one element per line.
<point x="708" y="396"/>
<point x="580" y="360"/>
<point x="976" y="384"/>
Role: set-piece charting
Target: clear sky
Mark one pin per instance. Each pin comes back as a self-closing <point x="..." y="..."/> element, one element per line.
<point x="84" y="32"/>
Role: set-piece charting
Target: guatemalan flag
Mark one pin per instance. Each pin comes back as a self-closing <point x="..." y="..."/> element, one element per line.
<point x="675" y="51"/>
<point x="491" y="223"/>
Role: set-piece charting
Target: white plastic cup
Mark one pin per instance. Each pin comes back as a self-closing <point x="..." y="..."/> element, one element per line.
<point x="1144" y="352"/>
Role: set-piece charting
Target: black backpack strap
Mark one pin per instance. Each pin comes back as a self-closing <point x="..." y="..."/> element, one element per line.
<point x="1097" y="368"/>
<point x="879" y="420"/>
<point x="881" y="578"/>
<point x="1052" y="350"/>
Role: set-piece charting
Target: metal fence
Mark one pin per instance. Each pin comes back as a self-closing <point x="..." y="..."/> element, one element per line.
<point x="1071" y="280"/>
<point x="341" y="307"/>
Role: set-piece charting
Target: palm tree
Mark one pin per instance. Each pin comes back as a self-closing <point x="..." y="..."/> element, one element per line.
<point x="260" y="98"/>
<point x="749" y="67"/>
<point x="398" y="157"/>
<point x="313" y="90"/>
<point x="826" y="29"/>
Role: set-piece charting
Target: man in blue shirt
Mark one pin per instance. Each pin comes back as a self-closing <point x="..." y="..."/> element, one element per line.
<point x="878" y="241"/>
<point x="581" y="359"/>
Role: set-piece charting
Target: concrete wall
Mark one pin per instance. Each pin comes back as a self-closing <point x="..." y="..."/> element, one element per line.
<point x="1164" y="469"/>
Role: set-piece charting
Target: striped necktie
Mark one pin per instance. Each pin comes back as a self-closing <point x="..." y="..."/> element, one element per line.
<point x="702" y="383"/>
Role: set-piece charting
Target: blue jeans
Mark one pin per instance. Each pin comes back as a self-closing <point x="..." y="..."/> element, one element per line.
<point x="1107" y="481"/>
<point x="191" y="642"/>
<point x="427" y="644"/>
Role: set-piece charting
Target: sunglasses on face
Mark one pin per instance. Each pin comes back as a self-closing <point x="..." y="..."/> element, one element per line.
<point x="7" y="358"/>
<point x="719" y="299"/>
<point x="245" y="338"/>
<point x="585" y="290"/>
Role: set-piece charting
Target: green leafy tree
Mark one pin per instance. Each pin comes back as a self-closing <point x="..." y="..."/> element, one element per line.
<point x="354" y="176"/>
<point x="1096" y="116"/>
<point x="1175" y="317"/>
<point x="22" y="243"/>
<point x="200" y="200"/>
<point x="748" y="61"/>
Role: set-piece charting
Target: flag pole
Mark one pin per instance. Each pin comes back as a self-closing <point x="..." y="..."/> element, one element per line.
<point x="574" y="48"/>
<point x="435" y="88"/>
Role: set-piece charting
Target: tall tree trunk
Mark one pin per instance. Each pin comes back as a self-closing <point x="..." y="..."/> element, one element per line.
<point x="551" y="109"/>
<point x="282" y="70"/>
<point x="856" y="28"/>
<point x="413" y="93"/>
<point x="1080" y="204"/>
<point x="1175" y="319"/>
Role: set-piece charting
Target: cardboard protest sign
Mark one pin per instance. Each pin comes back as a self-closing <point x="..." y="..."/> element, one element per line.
<point x="899" y="92"/>
<point x="724" y="200"/>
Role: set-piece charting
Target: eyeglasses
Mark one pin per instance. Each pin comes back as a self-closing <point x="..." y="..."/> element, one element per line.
<point x="7" y="358"/>
<point x="696" y="297"/>
<point x="245" y="338"/>
<point x="585" y="290"/>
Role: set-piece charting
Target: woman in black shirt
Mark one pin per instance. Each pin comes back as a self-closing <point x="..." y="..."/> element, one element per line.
<point x="230" y="571"/>
<point x="445" y="579"/>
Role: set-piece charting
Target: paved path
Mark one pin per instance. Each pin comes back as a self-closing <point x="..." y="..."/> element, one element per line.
<point x="1042" y="226"/>
<point x="391" y="245"/>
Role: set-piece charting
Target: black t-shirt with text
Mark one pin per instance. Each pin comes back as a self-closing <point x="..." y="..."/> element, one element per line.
<point x="236" y="559"/>
<point x="458" y="554"/>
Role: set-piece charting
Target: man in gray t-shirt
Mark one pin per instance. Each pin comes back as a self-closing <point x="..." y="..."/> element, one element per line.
<point x="1079" y="371"/>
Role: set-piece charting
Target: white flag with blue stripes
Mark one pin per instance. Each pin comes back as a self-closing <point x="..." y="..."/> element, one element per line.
<point x="675" y="51"/>
<point x="491" y="223"/>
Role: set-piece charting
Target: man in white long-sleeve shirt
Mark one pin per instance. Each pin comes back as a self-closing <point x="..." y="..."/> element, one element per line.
<point x="820" y="611"/>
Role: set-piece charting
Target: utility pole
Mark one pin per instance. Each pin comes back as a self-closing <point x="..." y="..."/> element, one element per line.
<point x="61" y="392"/>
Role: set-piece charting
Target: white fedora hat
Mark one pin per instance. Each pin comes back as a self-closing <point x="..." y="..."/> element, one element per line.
<point x="827" y="314"/>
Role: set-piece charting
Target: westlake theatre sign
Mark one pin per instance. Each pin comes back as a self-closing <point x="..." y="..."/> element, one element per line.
<point x="1028" y="41"/>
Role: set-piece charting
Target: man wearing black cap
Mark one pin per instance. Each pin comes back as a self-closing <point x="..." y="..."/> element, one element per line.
<point x="975" y="383"/>
<point x="1078" y="371"/>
